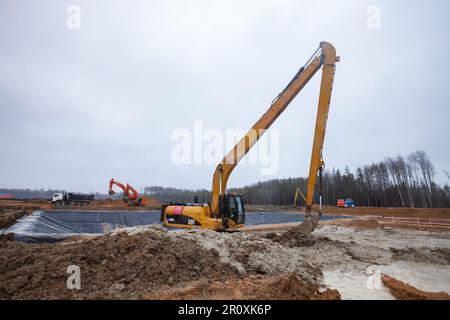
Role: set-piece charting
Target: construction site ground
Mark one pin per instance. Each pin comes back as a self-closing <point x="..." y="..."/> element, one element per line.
<point x="361" y="258"/>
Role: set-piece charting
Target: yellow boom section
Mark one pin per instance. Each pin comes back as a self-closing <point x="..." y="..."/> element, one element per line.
<point x="325" y="56"/>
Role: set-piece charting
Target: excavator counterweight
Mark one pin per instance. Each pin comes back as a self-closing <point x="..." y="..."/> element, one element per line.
<point x="227" y="210"/>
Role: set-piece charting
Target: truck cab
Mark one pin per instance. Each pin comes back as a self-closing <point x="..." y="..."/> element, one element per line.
<point x="345" y="203"/>
<point x="349" y="203"/>
<point x="58" y="198"/>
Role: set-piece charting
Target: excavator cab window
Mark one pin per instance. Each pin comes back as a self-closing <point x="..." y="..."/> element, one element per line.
<point x="232" y="211"/>
<point x="232" y="207"/>
<point x="240" y="219"/>
<point x="236" y="209"/>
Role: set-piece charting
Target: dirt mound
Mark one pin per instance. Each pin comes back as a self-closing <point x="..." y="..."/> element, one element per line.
<point x="154" y="263"/>
<point x="327" y="253"/>
<point x="282" y="287"/>
<point x="151" y="202"/>
<point x="402" y="291"/>
<point x="144" y="261"/>
<point x="252" y="254"/>
<point x="364" y="224"/>
<point x="120" y="266"/>
<point x="12" y="210"/>
<point x="295" y="238"/>
<point x="9" y="217"/>
<point x="427" y="255"/>
<point x="110" y="204"/>
<point x="107" y="204"/>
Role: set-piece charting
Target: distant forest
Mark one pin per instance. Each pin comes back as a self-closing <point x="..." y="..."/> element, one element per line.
<point x="394" y="182"/>
<point x="39" y="193"/>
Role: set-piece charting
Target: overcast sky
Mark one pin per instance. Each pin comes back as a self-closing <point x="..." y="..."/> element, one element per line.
<point x="78" y="107"/>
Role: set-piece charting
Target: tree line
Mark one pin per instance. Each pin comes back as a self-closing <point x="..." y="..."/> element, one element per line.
<point x="42" y="193"/>
<point x="394" y="182"/>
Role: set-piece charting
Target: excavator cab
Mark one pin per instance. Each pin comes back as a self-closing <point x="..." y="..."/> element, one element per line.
<point x="231" y="210"/>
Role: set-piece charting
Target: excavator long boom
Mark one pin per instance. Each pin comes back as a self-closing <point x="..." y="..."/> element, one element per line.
<point x="325" y="58"/>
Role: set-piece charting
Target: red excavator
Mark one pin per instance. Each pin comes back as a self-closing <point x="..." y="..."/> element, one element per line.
<point x="130" y="195"/>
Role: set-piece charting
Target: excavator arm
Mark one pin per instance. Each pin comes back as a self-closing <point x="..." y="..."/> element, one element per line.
<point x="128" y="190"/>
<point x="325" y="58"/>
<point x="113" y="182"/>
<point x="132" y="193"/>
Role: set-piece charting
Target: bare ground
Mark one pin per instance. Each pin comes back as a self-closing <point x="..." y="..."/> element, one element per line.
<point x="150" y="263"/>
<point x="153" y="263"/>
<point x="363" y="211"/>
<point x="262" y="262"/>
<point x="11" y="211"/>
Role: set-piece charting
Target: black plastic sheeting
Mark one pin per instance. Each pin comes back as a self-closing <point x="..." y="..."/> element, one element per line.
<point x="53" y="226"/>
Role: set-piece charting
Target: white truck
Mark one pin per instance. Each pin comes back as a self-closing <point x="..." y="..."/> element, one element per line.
<point x="71" y="198"/>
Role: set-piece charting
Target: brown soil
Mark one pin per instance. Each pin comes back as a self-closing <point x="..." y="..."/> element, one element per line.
<point x="363" y="224"/>
<point x="282" y="287"/>
<point x="149" y="262"/>
<point x="11" y="210"/>
<point x="392" y="212"/>
<point x="362" y="211"/>
<point x="403" y="291"/>
<point x="436" y="256"/>
<point x="156" y="264"/>
<point x="293" y="238"/>
<point x="109" y="204"/>
<point x="119" y="267"/>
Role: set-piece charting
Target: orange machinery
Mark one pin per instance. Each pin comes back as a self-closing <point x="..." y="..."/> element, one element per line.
<point x="130" y="195"/>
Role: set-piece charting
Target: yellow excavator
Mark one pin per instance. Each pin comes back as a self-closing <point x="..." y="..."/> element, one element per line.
<point x="226" y="211"/>
<point x="297" y="195"/>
